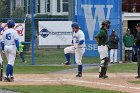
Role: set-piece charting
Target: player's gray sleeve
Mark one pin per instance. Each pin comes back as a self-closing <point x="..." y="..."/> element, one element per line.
<point x="81" y="36"/>
<point x="16" y="37"/>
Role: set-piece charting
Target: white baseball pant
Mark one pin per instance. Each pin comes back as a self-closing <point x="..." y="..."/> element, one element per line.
<point x="10" y="52"/>
<point x="78" y="53"/>
<point x="103" y="51"/>
<point x="113" y="55"/>
<point x="0" y="59"/>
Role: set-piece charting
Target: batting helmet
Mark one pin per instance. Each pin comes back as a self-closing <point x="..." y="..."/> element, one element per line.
<point x="11" y="23"/>
<point x="106" y="22"/>
<point x="75" y="25"/>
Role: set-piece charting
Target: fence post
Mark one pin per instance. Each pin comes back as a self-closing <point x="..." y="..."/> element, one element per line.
<point x="120" y="30"/>
<point x="75" y="10"/>
<point x="32" y="26"/>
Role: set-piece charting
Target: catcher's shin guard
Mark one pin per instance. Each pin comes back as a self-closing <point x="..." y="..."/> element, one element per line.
<point x="100" y="72"/>
<point x="103" y="67"/>
<point x="104" y="71"/>
<point x="106" y="61"/>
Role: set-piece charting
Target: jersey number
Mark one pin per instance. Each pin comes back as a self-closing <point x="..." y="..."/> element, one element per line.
<point x="8" y="36"/>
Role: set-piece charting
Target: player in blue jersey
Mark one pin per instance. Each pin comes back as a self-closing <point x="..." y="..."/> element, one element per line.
<point x="10" y="44"/>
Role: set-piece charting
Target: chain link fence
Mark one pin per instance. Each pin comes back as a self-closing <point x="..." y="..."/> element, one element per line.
<point x="27" y="14"/>
<point x="33" y="19"/>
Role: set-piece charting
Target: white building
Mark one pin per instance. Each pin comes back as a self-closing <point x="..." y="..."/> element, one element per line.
<point x="50" y="7"/>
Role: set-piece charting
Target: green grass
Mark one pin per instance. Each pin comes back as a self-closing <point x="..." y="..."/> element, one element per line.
<point x="135" y="82"/>
<point x="55" y="89"/>
<point x="118" y="68"/>
<point x="50" y="56"/>
<point x="38" y="69"/>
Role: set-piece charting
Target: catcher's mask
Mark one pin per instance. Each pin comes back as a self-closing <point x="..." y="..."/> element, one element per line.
<point x="106" y="23"/>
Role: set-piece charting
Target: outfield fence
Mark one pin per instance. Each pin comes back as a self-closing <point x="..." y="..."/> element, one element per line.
<point x="44" y="28"/>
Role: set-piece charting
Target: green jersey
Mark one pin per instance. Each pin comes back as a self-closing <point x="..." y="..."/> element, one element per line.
<point x="21" y="47"/>
<point x="128" y="40"/>
<point x="102" y="36"/>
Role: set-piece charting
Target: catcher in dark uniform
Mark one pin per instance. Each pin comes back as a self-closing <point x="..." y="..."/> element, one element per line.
<point x="102" y="40"/>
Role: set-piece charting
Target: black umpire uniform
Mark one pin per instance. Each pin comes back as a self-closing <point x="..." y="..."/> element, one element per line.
<point x="137" y="42"/>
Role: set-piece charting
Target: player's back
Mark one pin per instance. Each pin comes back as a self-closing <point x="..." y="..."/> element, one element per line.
<point x="9" y="36"/>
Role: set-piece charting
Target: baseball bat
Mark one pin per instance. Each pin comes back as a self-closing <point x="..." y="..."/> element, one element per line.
<point x="1" y="72"/>
<point x="1" y="68"/>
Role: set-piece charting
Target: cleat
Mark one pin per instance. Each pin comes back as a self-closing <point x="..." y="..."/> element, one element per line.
<point x="6" y="79"/>
<point x="104" y="77"/>
<point x="111" y="63"/>
<point x="100" y="76"/>
<point x="11" y="79"/>
<point x="25" y="61"/>
<point x="138" y="77"/>
<point x="116" y="62"/>
<point x="79" y="75"/>
<point x="66" y="63"/>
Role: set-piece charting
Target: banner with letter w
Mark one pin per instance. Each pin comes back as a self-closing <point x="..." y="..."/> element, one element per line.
<point x="90" y="14"/>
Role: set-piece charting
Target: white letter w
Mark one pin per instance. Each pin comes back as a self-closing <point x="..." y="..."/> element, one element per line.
<point x="99" y="14"/>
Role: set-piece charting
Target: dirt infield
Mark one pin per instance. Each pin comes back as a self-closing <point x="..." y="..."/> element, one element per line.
<point x="116" y="81"/>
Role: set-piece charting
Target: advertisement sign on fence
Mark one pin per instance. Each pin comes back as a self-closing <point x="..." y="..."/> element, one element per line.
<point x="19" y="27"/>
<point x="55" y="32"/>
<point x="90" y="14"/>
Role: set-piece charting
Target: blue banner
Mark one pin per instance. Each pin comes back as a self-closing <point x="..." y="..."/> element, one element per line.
<point x="90" y="14"/>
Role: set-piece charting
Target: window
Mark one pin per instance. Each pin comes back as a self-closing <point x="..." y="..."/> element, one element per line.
<point x="14" y="5"/>
<point x="58" y="5"/>
<point x="48" y="6"/>
<point x="42" y="6"/>
<point x="45" y="6"/>
<point x="22" y="4"/>
<point x="65" y="5"/>
<point x="29" y="6"/>
<point x="62" y="5"/>
<point x="38" y="6"/>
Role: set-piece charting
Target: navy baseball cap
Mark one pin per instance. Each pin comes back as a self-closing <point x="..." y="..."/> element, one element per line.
<point x="11" y="23"/>
<point x="75" y="25"/>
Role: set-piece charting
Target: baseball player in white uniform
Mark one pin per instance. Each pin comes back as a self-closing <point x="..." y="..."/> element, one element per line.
<point x="9" y="45"/>
<point x="78" y="47"/>
<point x="1" y="29"/>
